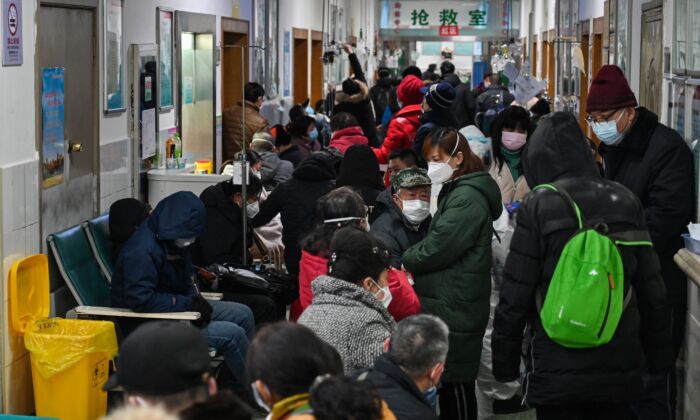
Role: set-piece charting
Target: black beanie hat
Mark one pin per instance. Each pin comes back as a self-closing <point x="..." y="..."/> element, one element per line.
<point x="440" y="95"/>
<point x="350" y="87"/>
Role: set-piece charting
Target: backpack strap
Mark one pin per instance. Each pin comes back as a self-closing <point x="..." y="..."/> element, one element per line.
<point x="632" y="238"/>
<point x="566" y="197"/>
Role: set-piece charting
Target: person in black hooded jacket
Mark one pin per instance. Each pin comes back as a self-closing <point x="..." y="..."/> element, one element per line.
<point x="295" y="200"/>
<point x="464" y="106"/>
<point x="591" y="383"/>
<point x="360" y="171"/>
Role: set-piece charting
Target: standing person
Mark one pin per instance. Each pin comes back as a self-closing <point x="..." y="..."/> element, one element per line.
<point x="153" y="274"/>
<point x="295" y="200"/>
<point x="464" y="106"/>
<point x="348" y="310"/>
<point x="403" y="126"/>
<point x="436" y="104"/>
<point x="274" y="170"/>
<point x="452" y="265"/>
<point x="360" y="170"/>
<point x="338" y="209"/>
<point x="346" y="132"/>
<point x="354" y="98"/>
<point x="495" y="95"/>
<point x="485" y="83"/>
<point x="285" y="149"/>
<point x="411" y="70"/>
<point x="509" y="134"/>
<point x="381" y="91"/>
<point x="406" y="220"/>
<point x="297" y="376"/>
<point x="655" y="163"/>
<point x="234" y="134"/>
<point x="428" y="74"/>
<point x="304" y="135"/>
<point x="406" y="376"/>
<point x="567" y="382"/>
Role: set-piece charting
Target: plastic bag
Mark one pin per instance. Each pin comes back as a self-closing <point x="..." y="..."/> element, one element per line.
<point x="57" y="344"/>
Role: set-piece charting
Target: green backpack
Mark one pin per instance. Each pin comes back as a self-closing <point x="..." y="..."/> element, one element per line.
<point x="586" y="297"/>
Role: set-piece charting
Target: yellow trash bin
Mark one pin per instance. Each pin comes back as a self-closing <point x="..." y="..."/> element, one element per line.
<point x="69" y="358"/>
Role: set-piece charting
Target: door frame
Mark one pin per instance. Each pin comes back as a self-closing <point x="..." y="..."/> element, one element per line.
<point x="240" y="27"/>
<point x="316" y="68"/>
<point x="302" y="35"/>
<point x="96" y="7"/>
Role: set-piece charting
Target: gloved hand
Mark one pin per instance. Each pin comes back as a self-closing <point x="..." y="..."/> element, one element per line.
<point x="199" y="304"/>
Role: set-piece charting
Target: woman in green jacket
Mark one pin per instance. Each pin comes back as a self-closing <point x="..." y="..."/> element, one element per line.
<point x="452" y="265"/>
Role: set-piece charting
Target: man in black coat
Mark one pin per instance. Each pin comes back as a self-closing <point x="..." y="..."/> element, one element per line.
<point x="405" y="377"/>
<point x="655" y="163"/>
<point x="295" y="200"/>
<point x="464" y="106"/>
<point x="406" y="216"/>
<point x="596" y="382"/>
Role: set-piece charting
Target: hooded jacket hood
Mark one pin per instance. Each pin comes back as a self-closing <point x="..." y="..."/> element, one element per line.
<point x="363" y="94"/>
<point x="557" y="149"/>
<point x="485" y="184"/>
<point x="317" y="167"/>
<point x="178" y="216"/>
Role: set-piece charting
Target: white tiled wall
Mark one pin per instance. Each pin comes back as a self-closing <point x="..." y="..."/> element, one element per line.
<point x="20" y="238"/>
<point x="115" y="173"/>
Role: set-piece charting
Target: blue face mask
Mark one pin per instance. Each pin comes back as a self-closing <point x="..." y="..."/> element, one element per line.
<point x="313" y="135"/>
<point x="310" y="111"/>
<point x="431" y="397"/>
<point x="607" y="131"/>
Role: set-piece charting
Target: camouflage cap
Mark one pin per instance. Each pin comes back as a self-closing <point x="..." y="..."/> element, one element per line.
<point x="409" y="178"/>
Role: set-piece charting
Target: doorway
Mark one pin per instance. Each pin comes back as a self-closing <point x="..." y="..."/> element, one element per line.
<point x="234" y="33"/>
<point x="66" y="39"/>
<point x="651" y="57"/>
<point x="301" y="64"/>
<point x="316" y="66"/>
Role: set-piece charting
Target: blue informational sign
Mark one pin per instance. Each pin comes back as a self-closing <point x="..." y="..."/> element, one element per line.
<point x="478" y="70"/>
<point x="53" y="147"/>
<point x="287" y="63"/>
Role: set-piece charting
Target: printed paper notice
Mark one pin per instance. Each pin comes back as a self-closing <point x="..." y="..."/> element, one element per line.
<point x="148" y="133"/>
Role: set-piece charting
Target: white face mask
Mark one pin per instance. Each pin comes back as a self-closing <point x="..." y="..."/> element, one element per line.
<point x="253" y="209"/>
<point x="386" y="300"/>
<point x="184" y="243"/>
<point x="258" y="399"/>
<point x="416" y="210"/>
<point x="441" y="172"/>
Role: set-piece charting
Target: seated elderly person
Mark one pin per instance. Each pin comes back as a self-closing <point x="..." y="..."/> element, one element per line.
<point x="406" y="218"/>
<point x="274" y="170"/>
<point x="154" y="274"/>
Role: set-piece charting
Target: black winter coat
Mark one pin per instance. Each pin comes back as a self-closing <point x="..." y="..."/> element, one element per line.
<point x="359" y="104"/>
<point x="656" y="164"/>
<point x="293" y="154"/>
<point x="430" y="120"/>
<point x="222" y="240"/>
<point x="464" y="106"/>
<point x="392" y="228"/>
<point x="398" y="390"/>
<point x="557" y="375"/>
<point x="296" y="201"/>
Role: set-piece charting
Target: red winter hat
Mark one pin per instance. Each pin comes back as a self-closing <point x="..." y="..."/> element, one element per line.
<point x="409" y="91"/>
<point x="610" y="90"/>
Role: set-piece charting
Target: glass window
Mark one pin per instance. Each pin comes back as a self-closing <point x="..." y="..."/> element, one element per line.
<point x="694" y="35"/>
<point x="680" y="34"/>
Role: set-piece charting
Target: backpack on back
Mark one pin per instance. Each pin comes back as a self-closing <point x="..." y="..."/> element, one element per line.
<point x="586" y="295"/>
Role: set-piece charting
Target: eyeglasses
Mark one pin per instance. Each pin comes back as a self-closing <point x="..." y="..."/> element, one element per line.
<point x="591" y="120"/>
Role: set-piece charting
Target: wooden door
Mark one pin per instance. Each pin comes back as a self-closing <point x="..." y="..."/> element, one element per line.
<point x="234" y="60"/>
<point x="551" y="70"/>
<point x="316" y="66"/>
<point x="301" y="65"/>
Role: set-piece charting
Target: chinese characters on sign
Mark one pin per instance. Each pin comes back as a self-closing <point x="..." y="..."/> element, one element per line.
<point x="12" y="32"/>
<point x="447" y="20"/>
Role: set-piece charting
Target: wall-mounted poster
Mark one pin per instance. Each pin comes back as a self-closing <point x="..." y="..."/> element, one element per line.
<point x="165" y="48"/>
<point x="53" y="147"/>
<point x="113" y="58"/>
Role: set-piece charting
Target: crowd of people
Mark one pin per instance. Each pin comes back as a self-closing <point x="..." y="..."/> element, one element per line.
<point x="538" y="274"/>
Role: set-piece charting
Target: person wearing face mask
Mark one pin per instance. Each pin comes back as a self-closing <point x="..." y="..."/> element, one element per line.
<point x="407" y="375"/>
<point x="304" y="135"/>
<point x="656" y="164"/>
<point x="406" y="220"/>
<point x="437" y="101"/>
<point x="509" y="133"/>
<point x="273" y="170"/>
<point x="234" y="133"/>
<point x="295" y="375"/>
<point x="348" y="310"/>
<point x="341" y="208"/>
<point x="452" y="265"/>
<point x="154" y="274"/>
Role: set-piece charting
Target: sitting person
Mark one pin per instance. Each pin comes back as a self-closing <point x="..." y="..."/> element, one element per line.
<point x="360" y="170"/>
<point x="286" y="150"/>
<point x="221" y="242"/>
<point x="407" y="375"/>
<point x="348" y="310"/>
<point x="125" y="216"/>
<point x="154" y="274"/>
<point x="297" y="376"/>
<point x="407" y="217"/>
<point x="274" y="170"/>
<point x="337" y="209"/>
<point x="346" y="132"/>
<point x="176" y="377"/>
<point x="399" y="160"/>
